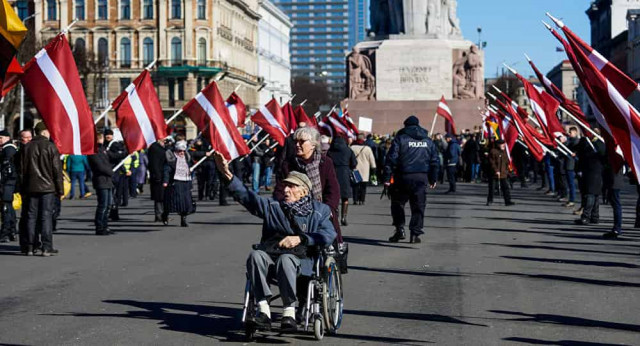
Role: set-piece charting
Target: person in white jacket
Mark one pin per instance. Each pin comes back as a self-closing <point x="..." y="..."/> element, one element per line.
<point x="366" y="162"/>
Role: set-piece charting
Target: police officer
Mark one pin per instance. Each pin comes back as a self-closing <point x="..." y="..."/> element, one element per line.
<point x="116" y="152"/>
<point x="8" y="179"/>
<point x="412" y="160"/>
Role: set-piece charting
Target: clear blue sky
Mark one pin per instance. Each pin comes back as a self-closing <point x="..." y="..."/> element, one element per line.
<point x="514" y="27"/>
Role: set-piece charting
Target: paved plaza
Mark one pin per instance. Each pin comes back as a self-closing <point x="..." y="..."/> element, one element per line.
<point x="482" y="276"/>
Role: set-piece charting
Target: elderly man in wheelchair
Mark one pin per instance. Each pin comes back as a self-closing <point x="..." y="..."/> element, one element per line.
<point x="291" y="229"/>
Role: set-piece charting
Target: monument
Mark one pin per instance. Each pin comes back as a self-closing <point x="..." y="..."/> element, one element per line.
<point x="414" y="55"/>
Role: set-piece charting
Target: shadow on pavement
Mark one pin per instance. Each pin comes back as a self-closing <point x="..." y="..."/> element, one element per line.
<point x="402" y="271"/>
<point x="374" y="242"/>
<point x="534" y="247"/>
<point x="568" y="261"/>
<point x="559" y="342"/>
<point x="567" y="320"/>
<point x="573" y="279"/>
<point x="411" y="316"/>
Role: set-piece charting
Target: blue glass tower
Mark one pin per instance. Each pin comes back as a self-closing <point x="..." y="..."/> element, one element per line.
<point x="323" y="33"/>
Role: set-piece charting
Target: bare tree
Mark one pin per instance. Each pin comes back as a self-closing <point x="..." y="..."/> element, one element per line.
<point x="316" y="94"/>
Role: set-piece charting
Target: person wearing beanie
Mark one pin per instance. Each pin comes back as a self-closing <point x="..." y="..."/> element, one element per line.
<point x="412" y="160"/>
<point x="8" y="179"/>
<point x="177" y="183"/>
<point x="499" y="163"/>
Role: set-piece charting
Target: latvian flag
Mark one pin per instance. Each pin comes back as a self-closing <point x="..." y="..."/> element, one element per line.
<point x="52" y="82"/>
<point x="139" y="114"/>
<point x="302" y="117"/>
<point x="271" y="119"/>
<point x="208" y="111"/>
<point x="445" y="112"/>
<point x="237" y="109"/>
<point x="12" y="32"/>
<point x="289" y="117"/>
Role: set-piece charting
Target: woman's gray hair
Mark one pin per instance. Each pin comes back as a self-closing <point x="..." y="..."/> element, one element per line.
<point x="310" y="134"/>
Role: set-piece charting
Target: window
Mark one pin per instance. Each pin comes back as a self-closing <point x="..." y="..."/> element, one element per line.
<point x="172" y="92"/>
<point x="202" y="9"/>
<point x="202" y="51"/>
<point x="176" y="51"/>
<point x="80" y="9"/>
<point x="103" y="52"/>
<point x="125" y="52"/>
<point x="176" y="9"/>
<point x="103" y="7"/>
<point x="124" y="83"/>
<point x="79" y="46"/>
<point x="51" y="10"/>
<point x="575" y="80"/>
<point x="180" y="89"/>
<point x="147" y="9"/>
<point x="147" y="50"/>
<point x="23" y="9"/>
<point x="125" y="9"/>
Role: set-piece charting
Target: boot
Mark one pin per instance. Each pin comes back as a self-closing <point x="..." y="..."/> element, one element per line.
<point x="183" y="221"/>
<point x="397" y="235"/>
<point x="165" y="219"/>
<point x="345" y="211"/>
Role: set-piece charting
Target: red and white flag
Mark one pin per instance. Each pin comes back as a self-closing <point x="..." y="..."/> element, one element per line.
<point x="139" y="114"/>
<point x="325" y="128"/>
<point x="237" y="109"/>
<point x="302" y="117"/>
<point x="544" y="107"/>
<point x="350" y="124"/>
<point x="271" y="119"/>
<point x="208" y="111"/>
<point x="289" y="117"/>
<point x="52" y="82"/>
<point x="444" y="111"/>
<point x="608" y="89"/>
<point x="339" y="128"/>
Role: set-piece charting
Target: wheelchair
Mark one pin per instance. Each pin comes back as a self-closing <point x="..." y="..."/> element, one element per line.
<point x="323" y="306"/>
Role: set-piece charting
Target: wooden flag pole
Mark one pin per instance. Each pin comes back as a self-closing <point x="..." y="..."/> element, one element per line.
<point x="573" y="117"/>
<point x="433" y="124"/>
<point x="174" y="116"/>
<point x="209" y="153"/>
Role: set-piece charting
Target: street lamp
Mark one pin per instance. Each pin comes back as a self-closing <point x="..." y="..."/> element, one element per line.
<point x="480" y="37"/>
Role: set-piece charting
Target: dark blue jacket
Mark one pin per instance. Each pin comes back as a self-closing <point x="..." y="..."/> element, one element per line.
<point x="317" y="226"/>
<point x="452" y="153"/>
<point x="412" y="152"/>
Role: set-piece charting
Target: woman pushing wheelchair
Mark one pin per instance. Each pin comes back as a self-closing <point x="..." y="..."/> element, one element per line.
<point x="291" y="228"/>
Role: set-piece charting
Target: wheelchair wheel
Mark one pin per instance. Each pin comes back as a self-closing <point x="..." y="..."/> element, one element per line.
<point x="332" y="301"/>
<point x="318" y="328"/>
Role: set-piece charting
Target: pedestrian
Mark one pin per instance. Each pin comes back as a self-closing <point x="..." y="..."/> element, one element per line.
<point x="366" y="162"/>
<point x="268" y="161"/>
<point x="8" y="181"/>
<point x="25" y="137"/>
<point x="205" y="171"/>
<point x="257" y="152"/>
<point x="42" y="181"/>
<point x="413" y="161"/>
<point x="344" y="162"/>
<point x="77" y="166"/>
<point x="451" y="159"/>
<point x="318" y="167"/>
<point x="177" y="183"/>
<point x="141" y="179"/>
<point x="116" y="152"/>
<point x="471" y="160"/>
<point x="591" y="161"/>
<point x="133" y="178"/>
<point x="614" y="180"/>
<point x="570" y="166"/>
<point x="499" y="163"/>
<point x="103" y="184"/>
<point x="157" y="158"/>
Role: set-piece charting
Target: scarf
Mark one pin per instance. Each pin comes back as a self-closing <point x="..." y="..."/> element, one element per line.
<point x="312" y="170"/>
<point x="301" y="207"/>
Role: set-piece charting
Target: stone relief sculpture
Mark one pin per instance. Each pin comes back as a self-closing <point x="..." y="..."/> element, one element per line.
<point x="361" y="79"/>
<point x="468" y="81"/>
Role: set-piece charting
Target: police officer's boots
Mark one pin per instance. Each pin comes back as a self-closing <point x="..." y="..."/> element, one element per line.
<point x="397" y="235"/>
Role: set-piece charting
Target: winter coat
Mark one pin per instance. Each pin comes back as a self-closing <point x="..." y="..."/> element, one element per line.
<point x="452" y="154"/>
<point x="317" y="226"/>
<point x="77" y="163"/>
<point x="169" y="169"/>
<point x="8" y="172"/>
<point x="499" y="162"/>
<point x="41" y="167"/>
<point x="365" y="159"/>
<point x="142" y="169"/>
<point x="157" y="158"/>
<point x="344" y="162"/>
<point x="412" y="152"/>
<point x="101" y="168"/>
<point x="591" y="164"/>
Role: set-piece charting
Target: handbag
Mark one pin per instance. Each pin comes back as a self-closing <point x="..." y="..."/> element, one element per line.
<point x="356" y="178"/>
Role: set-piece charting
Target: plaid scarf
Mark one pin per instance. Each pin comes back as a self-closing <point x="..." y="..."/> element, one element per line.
<point x="301" y="207"/>
<point x="312" y="170"/>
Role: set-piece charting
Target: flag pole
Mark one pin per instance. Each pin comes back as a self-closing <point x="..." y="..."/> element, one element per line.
<point x="151" y="65"/>
<point x="317" y="115"/>
<point x="103" y="114"/>
<point x="255" y="146"/>
<point x="271" y="147"/>
<point x="433" y="124"/>
<point x="237" y="88"/>
<point x="254" y="135"/>
<point x="573" y="117"/>
<point x="209" y="153"/>
<point x="303" y="102"/>
<point x="564" y="148"/>
<point x="66" y="30"/>
<point x="174" y="116"/>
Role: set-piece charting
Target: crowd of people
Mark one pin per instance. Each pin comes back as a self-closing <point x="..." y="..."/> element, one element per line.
<point x="340" y="169"/>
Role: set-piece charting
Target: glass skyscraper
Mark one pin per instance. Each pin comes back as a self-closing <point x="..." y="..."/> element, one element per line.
<point x="323" y="33"/>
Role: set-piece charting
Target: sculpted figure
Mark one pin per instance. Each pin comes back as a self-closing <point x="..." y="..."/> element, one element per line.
<point x="473" y="69"/>
<point x="361" y="80"/>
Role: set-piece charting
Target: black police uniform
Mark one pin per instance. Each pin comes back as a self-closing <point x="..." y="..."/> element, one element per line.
<point x="412" y="160"/>
<point x="8" y="181"/>
<point x="116" y="152"/>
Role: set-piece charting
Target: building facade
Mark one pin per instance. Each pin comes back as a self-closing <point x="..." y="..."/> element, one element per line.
<point x="319" y="41"/>
<point x="274" y="66"/>
<point x="193" y="42"/>
<point x="608" y="20"/>
<point x="633" y="56"/>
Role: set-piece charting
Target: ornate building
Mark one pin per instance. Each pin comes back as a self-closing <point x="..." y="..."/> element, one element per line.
<point x="273" y="53"/>
<point x="193" y="41"/>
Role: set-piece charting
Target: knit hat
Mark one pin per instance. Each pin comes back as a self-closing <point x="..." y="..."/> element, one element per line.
<point x="412" y="121"/>
<point x="299" y="179"/>
<point x="108" y="132"/>
<point x="181" y="145"/>
<point x="4" y="133"/>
